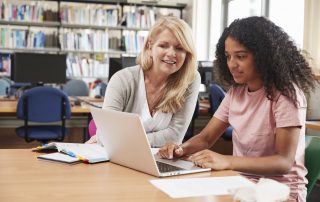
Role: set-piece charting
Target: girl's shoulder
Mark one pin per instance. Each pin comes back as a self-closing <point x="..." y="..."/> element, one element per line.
<point x="300" y="96"/>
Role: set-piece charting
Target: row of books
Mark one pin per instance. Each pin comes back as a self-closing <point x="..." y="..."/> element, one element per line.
<point x="15" y="37"/>
<point x="145" y="17"/>
<point x="84" y="39"/>
<point x="70" y="39"/>
<point x="140" y="17"/>
<point x="134" y="41"/>
<point x="36" y="11"/>
<point x="89" y="14"/>
<point x="78" y="66"/>
<point x="5" y="64"/>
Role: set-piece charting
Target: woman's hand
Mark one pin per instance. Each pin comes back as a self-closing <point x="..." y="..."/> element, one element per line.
<point x="92" y="140"/>
<point x="169" y="151"/>
<point x="209" y="159"/>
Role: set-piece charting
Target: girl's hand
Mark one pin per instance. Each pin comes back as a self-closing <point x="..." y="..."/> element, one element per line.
<point x="209" y="159"/>
<point x="170" y="150"/>
<point x="92" y="140"/>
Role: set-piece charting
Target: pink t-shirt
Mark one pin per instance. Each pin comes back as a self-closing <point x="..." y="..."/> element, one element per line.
<point x="254" y="119"/>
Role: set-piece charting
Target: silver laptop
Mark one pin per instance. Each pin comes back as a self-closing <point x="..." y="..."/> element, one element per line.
<point x="126" y="144"/>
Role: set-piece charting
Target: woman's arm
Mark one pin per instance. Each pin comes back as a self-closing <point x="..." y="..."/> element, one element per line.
<point x="116" y="92"/>
<point x="180" y="121"/>
<point x="116" y="96"/>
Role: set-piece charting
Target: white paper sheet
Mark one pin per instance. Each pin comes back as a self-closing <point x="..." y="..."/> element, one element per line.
<point x="190" y="187"/>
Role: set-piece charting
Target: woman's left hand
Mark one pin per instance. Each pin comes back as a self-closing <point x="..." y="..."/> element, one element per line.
<point x="209" y="159"/>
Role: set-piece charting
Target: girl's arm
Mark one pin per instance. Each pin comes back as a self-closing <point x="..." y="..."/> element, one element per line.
<point x="204" y="140"/>
<point x="279" y="163"/>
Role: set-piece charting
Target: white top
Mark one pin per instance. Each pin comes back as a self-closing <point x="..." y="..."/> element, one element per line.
<point x="159" y="121"/>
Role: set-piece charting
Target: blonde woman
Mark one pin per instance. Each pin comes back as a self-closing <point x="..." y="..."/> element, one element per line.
<point x="163" y="87"/>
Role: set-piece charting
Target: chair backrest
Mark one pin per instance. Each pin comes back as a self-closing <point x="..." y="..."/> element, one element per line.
<point x="44" y="104"/>
<point x="103" y="87"/>
<point x="4" y="86"/>
<point x="190" y="130"/>
<point x="216" y="95"/>
<point x="92" y="128"/>
<point x="312" y="161"/>
<point x="76" y="88"/>
<point x="100" y="89"/>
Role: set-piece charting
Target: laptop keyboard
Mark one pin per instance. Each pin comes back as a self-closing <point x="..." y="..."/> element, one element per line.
<point x="163" y="167"/>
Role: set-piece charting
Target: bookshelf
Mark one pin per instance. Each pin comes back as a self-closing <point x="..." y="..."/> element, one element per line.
<point x="89" y="31"/>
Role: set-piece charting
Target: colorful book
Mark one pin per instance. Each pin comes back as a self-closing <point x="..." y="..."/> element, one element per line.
<point x="87" y="153"/>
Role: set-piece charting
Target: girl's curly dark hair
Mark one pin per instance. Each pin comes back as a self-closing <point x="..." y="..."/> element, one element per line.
<point x="277" y="59"/>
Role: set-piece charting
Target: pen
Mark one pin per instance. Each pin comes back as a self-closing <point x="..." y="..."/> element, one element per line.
<point x="71" y="154"/>
<point x="76" y="156"/>
<point x="42" y="146"/>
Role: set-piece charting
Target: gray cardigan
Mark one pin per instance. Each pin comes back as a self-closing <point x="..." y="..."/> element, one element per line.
<point x="120" y="94"/>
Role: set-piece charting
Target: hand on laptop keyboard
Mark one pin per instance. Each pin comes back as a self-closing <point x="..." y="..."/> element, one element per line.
<point x="170" y="150"/>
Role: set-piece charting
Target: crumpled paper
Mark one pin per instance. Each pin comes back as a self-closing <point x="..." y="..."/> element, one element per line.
<point x="266" y="190"/>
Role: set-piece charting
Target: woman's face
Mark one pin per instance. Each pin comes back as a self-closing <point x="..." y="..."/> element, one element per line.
<point x="241" y="64"/>
<point x="167" y="53"/>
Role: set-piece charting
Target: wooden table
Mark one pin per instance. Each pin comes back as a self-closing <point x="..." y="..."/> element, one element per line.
<point x="25" y="178"/>
<point x="315" y="125"/>
<point x="9" y="106"/>
<point x="204" y="107"/>
<point x="80" y="115"/>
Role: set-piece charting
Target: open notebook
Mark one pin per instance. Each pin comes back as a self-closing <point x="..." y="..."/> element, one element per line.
<point x="126" y="144"/>
<point x="73" y="152"/>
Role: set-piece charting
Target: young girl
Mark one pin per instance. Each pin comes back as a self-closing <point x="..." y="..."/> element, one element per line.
<point x="265" y="105"/>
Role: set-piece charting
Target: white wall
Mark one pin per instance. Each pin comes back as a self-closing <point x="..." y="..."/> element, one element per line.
<point x="311" y="40"/>
<point x="200" y="26"/>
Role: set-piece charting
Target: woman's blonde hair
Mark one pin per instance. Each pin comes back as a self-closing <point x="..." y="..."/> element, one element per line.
<point x="176" y="88"/>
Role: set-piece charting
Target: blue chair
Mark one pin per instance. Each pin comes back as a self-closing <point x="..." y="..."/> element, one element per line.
<point x="103" y="87"/>
<point x="216" y="95"/>
<point x="312" y="161"/>
<point x="75" y="87"/>
<point x="43" y="106"/>
<point x="190" y="129"/>
<point x="4" y="87"/>
<point x="100" y="89"/>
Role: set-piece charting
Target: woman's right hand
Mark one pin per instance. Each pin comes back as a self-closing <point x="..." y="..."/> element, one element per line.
<point x="92" y="140"/>
<point x="170" y="151"/>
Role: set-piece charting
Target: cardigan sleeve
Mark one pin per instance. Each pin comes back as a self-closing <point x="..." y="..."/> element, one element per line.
<point x="120" y="91"/>
<point x="180" y="121"/>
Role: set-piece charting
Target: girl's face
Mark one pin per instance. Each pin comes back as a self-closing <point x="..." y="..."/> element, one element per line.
<point x="241" y="64"/>
<point x="167" y="53"/>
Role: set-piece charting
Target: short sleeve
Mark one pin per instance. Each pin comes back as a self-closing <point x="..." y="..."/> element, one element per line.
<point x="287" y="113"/>
<point x="222" y="112"/>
